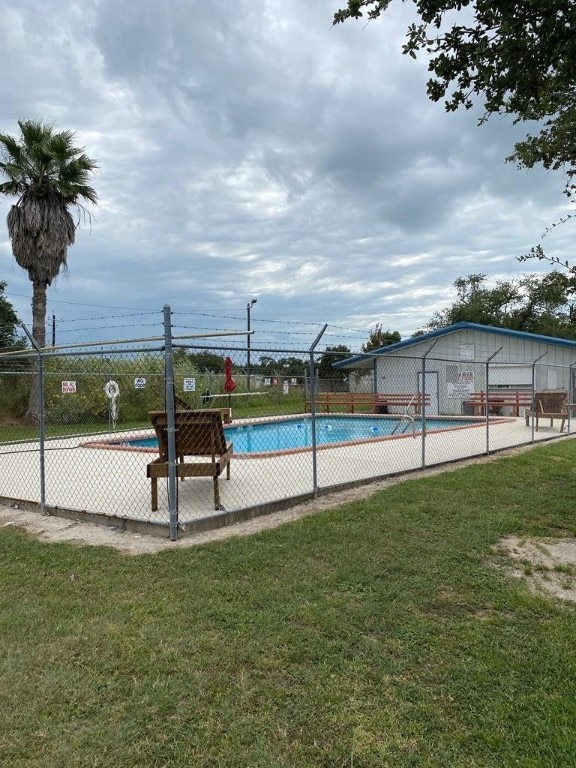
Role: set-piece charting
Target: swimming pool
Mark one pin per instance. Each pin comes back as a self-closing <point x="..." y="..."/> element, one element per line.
<point x="296" y="434"/>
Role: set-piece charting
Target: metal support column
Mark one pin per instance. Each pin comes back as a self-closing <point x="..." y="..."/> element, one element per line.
<point x="534" y="391"/>
<point x="170" y="426"/>
<point x="423" y="403"/>
<point x="41" y="419"/>
<point x="313" y="412"/>
<point x="488" y="361"/>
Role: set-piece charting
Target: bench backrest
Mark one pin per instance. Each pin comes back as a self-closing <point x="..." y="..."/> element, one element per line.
<point x="358" y="396"/>
<point x="508" y="396"/>
<point x="198" y="433"/>
<point x="370" y="397"/>
<point x="551" y="402"/>
<point x="403" y="397"/>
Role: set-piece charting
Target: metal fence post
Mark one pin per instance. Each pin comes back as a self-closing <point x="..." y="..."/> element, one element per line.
<point x="41" y="419"/>
<point x="570" y="395"/>
<point x="423" y="413"/>
<point x="170" y="428"/>
<point x="534" y="392"/>
<point x="42" y="433"/>
<point x="313" y="412"/>
<point x="488" y="361"/>
<point x="423" y="402"/>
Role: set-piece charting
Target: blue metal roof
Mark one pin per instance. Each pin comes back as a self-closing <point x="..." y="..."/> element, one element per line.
<point x="351" y="361"/>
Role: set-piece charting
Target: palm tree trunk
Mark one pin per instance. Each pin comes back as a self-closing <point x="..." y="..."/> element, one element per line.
<point x="39" y="334"/>
<point x="39" y="312"/>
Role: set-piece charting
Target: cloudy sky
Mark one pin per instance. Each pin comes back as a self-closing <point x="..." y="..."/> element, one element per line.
<point x="251" y="150"/>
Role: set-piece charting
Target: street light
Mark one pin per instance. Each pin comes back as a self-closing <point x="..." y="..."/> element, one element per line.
<point x="248" y="308"/>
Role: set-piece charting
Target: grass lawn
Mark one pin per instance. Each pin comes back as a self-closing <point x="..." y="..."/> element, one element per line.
<point x="376" y="634"/>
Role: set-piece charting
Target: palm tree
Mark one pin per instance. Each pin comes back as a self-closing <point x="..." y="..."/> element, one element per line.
<point x="49" y="176"/>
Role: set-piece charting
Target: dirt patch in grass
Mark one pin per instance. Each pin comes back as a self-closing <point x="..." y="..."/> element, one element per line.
<point x="53" y="529"/>
<point x="546" y="565"/>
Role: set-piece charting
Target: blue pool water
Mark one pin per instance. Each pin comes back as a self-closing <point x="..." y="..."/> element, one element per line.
<point x="290" y="434"/>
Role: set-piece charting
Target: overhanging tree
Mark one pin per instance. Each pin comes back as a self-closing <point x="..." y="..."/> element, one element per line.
<point x="534" y="303"/>
<point x="49" y="176"/>
<point x="516" y="57"/>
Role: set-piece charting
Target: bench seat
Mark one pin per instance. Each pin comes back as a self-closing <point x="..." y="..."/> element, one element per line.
<point x="381" y="402"/>
<point x="514" y="399"/>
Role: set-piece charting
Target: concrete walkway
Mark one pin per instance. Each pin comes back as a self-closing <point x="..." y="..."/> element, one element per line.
<point x="113" y="483"/>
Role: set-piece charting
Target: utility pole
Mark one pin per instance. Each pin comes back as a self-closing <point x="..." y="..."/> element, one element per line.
<point x="248" y="308"/>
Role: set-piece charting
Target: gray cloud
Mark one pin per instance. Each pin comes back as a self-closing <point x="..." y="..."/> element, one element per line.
<point x="252" y="149"/>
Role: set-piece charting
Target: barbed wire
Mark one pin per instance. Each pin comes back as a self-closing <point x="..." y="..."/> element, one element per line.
<point x="292" y="329"/>
<point x="103" y="317"/>
<point x="77" y="303"/>
<point x="106" y="327"/>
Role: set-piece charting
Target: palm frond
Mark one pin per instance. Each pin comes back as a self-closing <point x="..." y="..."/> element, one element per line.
<point x="44" y="161"/>
<point x="10" y="148"/>
<point x="49" y="175"/>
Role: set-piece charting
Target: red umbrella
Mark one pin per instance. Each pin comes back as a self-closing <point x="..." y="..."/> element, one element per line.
<point x="229" y="383"/>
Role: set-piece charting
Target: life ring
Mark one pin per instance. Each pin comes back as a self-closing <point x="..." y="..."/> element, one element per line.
<point x="111" y="389"/>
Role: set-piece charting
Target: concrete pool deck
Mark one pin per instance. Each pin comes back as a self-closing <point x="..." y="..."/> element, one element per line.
<point x="111" y="486"/>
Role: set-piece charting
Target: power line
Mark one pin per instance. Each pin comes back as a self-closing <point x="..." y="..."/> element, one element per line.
<point x="78" y="303"/>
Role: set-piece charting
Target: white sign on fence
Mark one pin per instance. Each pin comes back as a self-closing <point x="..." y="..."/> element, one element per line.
<point x="140" y="382"/>
<point x="68" y="387"/>
<point x="189" y="385"/>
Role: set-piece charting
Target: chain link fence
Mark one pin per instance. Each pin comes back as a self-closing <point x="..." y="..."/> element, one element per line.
<point x="177" y="437"/>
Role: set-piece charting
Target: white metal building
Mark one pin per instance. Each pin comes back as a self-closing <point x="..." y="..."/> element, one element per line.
<point x="452" y="363"/>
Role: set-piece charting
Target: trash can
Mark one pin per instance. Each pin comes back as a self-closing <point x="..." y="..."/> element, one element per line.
<point x="467" y="408"/>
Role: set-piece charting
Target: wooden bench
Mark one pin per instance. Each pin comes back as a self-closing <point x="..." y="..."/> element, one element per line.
<point x="342" y="401"/>
<point x="514" y="399"/>
<point x="380" y="402"/>
<point x="198" y="434"/>
<point x="549" y="405"/>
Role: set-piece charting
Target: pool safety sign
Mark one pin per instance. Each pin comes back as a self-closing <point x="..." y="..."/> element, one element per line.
<point x="140" y="382"/>
<point x="189" y="385"/>
<point x="68" y="387"/>
<point x="463" y="387"/>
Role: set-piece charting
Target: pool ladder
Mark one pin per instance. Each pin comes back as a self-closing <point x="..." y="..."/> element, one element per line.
<point x="409" y="421"/>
